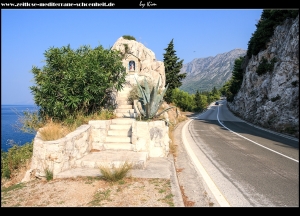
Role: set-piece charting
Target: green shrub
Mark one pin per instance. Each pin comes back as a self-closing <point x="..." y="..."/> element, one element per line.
<point x="264" y="66"/>
<point x="76" y="81"/>
<point x="16" y="157"/>
<point x="265" y="28"/>
<point x="294" y="83"/>
<point x="275" y="98"/>
<point x="128" y="37"/>
<point x="49" y="174"/>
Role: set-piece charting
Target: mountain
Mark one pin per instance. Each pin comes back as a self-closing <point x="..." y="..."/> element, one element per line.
<point x="205" y="73"/>
<point x="271" y="99"/>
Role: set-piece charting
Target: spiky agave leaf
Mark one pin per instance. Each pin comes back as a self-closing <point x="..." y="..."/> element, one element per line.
<point x="154" y="103"/>
<point x="150" y="101"/>
<point x="142" y="93"/>
<point x="164" y="111"/>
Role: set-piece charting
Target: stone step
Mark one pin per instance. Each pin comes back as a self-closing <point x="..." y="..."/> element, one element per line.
<point x="126" y="110"/>
<point x="122" y="121"/>
<point x="122" y="97"/>
<point x="112" y="158"/>
<point x="125" y="93"/>
<point x="126" y="115"/>
<point x="123" y="102"/>
<point x="156" y="167"/>
<point x="118" y="146"/>
<point x="120" y="127"/>
<point x="117" y="139"/>
<point x="119" y="133"/>
<point x="124" y="106"/>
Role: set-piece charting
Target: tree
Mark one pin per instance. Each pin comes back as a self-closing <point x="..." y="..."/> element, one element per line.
<point x="233" y="85"/>
<point x="183" y="100"/>
<point x="199" y="101"/>
<point x="76" y="81"/>
<point x="172" y="70"/>
<point x="265" y="28"/>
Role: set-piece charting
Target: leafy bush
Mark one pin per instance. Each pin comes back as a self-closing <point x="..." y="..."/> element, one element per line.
<point x="183" y="100"/>
<point x="128" y="37"/>
<point x="49" y="174"/>
<point x="29" y="122"/>
<point x="16" y="157"/>
<point x="77" y="81"/>
<point x="200" y="102"/>
<point x="264" y="66"/>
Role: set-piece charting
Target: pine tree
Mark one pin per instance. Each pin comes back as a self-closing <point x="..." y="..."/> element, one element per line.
<point x="172" y="70"/>
<point x="197" y="101"/>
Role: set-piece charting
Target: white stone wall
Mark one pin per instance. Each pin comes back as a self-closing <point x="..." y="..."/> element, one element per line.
<point x="152" y="137"/>
<point x="61" y="154"/>
<point x="99" y="130"/>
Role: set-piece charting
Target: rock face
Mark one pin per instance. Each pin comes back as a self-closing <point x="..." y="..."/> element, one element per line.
<point x="140" y="62"/>
<point x="271" y="100"/>
<point x="205" y="73"/>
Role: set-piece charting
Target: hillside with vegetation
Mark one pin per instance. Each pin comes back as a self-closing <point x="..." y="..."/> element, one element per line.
<point x="264" y="88"/>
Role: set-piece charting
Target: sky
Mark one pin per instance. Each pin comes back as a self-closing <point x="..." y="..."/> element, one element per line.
<point x="197" y="33"/>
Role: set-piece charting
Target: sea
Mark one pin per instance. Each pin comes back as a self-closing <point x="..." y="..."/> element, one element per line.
<point x="10" y="134"/>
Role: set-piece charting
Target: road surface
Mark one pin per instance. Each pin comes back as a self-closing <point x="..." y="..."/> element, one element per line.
<point x="242" y="165"/>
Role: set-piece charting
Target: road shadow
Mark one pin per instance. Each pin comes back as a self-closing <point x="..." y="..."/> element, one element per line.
<point x="244" y="128"/>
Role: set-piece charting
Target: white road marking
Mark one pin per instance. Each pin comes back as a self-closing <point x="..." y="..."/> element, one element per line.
<point x="253" y="141"/>
<point x="213" y="188"/>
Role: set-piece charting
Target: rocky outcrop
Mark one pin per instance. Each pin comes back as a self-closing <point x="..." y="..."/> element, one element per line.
<point x="140" y="62"/>
<point x="205" y="73"/>
<point x="271" y="100"/>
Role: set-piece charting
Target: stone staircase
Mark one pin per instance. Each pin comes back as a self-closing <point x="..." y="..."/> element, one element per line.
<point x="124" y="107"/>
<point x="119" y="133"/>
<point x="118" y="146"/>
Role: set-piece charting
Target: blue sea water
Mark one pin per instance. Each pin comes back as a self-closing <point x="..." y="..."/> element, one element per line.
<point x="10" y="115"/>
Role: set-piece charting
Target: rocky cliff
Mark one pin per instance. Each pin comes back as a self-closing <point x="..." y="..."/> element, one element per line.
<point x="205" y="73"/>
<point x="271" y="99"/>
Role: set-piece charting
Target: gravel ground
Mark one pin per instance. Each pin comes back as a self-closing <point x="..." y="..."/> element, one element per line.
<point x="87" y="192"/>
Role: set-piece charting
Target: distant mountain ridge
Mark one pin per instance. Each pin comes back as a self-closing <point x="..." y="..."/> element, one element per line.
<point x="205" y="73"/>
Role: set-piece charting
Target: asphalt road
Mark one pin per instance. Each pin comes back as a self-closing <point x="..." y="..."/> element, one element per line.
<point x="242" y="165"/>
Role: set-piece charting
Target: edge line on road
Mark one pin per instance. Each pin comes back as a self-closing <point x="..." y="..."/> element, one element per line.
<point x="213" y="188"/>
<point x="253" y="141"/>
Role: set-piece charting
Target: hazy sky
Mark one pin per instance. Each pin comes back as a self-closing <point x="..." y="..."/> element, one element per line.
<point x="198" y="33"/>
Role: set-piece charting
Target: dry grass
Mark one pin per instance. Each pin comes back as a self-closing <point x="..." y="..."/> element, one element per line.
<point x="175" y="117"/>
<point x="89" y="191"/>
<point x="115" y="173"/>
<point x="53" y="131"/>
<point x="56" y="130"/>
<point x="186" y="201"/>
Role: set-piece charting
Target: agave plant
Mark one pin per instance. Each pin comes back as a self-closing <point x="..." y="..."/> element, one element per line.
<point x="150" y="100"/>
